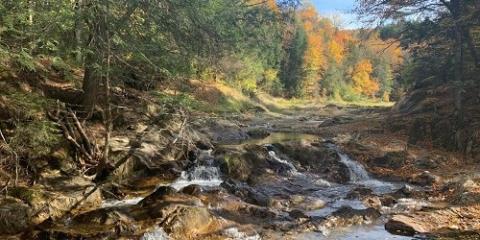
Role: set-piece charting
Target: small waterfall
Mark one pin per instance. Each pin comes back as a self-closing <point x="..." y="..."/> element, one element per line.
<point x="207" y="176"/>
<point x="356" y="170"/>
<point x="200" y="175"/>
<point x="291" y="167"/>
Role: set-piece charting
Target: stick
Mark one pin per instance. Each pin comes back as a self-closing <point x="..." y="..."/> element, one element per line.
<point x="3" y="137"/>
<point x="82" y="132"/>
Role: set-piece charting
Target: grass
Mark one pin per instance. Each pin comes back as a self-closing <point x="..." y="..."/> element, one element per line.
<point x="220" y="98"/>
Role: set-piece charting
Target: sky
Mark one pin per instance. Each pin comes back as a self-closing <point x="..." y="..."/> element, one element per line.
<point x="343" y="8"/>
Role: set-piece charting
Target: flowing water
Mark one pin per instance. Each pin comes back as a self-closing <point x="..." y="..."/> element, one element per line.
<point x="204" y="176"/>
<point x="335" y="196"/>
<point x="309" y="185"/>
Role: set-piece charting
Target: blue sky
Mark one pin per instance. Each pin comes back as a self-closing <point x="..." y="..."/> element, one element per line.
<point x="342" y="8"/>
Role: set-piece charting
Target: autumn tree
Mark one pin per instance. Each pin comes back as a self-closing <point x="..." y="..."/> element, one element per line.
<point x="362" y="79"/>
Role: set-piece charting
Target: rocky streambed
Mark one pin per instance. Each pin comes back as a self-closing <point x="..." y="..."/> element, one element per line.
<point x="260" y="181"/>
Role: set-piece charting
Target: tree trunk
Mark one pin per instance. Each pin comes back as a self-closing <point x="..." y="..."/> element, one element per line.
<point x="78" y="30"/>
<point x="471" y="47"/>
<point x="90" y="85"/>
<point x="457" y="9"/>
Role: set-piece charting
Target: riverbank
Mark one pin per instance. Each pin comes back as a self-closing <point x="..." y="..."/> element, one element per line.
<point x="312" y="170"/>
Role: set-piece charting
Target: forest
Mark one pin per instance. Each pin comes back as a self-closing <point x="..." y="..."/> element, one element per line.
<point x="239" y="119"/>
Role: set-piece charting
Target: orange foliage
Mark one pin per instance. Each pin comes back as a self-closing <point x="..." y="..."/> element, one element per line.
<point x="314" y="58"/>
<point x="363" y="83"/>
<point x="272" y="4"/>
<point x="337" y="51"/>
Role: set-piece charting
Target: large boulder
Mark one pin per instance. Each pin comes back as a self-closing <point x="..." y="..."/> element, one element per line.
<point x="316" y="158"/>
<point x="244" y="164"/>
<point x="450" y="220"/>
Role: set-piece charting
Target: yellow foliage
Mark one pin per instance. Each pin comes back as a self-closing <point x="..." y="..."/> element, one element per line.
<point x="363" y="83"/>
<point x="314" y="59"/>
<point x="337" y="52"/>
<point x="270" y="75"/>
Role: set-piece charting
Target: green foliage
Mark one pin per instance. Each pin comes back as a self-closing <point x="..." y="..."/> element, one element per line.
<point x="292" y="73"/>
<point x="24" y="61"/>
<point x="28" y="106"/>
<point x="35" y="138"/>
<point x="179" y="100"/>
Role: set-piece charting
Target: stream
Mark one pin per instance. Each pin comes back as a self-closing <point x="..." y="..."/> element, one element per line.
<point x="321" y="198"/>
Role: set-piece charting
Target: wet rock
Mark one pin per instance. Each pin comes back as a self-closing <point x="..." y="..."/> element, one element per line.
<point x="297" y="214"/>
<point x="316" y="158"/>
<point x="160" y="193"/>
<point x="451" y="220"/>
<point x="14" y="216"/>
<point x="192" y="190"/>
<point x="311" y="204"/>
<point x="297" y="199"/>
<point x="392" y="160"/>
<point x="404" y="192"/>
<point x="345" y="217"/>
<point x="359" y="193"/>
<point x="387" y="200"/>
<point x="258" y="133"/>
<point x="246" y="164"/>
<point x="246" y="193"/>
<point x="425" y="179"/>
<point x="372" y="202"/>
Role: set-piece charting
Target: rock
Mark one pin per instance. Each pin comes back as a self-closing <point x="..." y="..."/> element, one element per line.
<point x="297" y="214"/>
<point x="388" y="200"/>
<point x="392" y="160"/>
<point x="258" y="133"/>
<point x="297" y="199"/>
<point x="372" y="202"/>
<point x="345" y="217"/>
<point x="426" y="164"/>
<point x="241" y="164"/>
<point x="276" y="203"/>
<point x="160" y="193"/>
<point x="316" y="158"/>
<point x="14" y="216"/>
<point x="192" y="190"/>
<point x="313" y="204"/>
<point x="223" y="131"/>
<point x="187" y="221"/>
<point x="450" y="220"/>
<point x="404" y="192"/>
<point x="359" y="193"/>
<point x="425" y="179"/>
<point x="246" y="193"/>
<point x="53" y="205"/>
